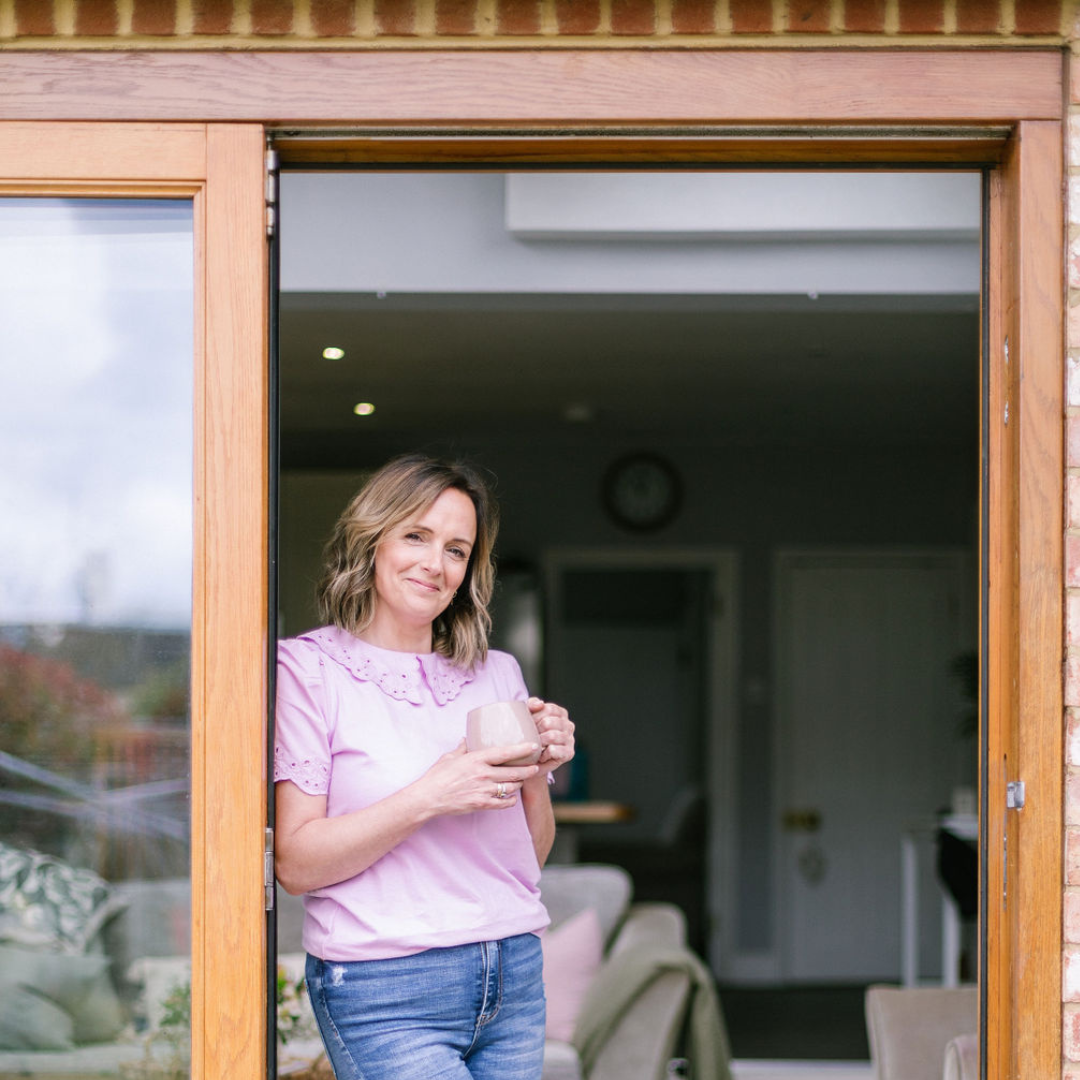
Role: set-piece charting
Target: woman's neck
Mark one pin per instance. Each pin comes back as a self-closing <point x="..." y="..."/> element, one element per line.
<point x="384" y="634"/>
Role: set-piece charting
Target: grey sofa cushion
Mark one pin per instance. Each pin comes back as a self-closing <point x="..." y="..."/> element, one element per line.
<point x="80" y="985"/>
<point x="566" y="890"/>
<point x="962" y="1058"/>
<point x="909" y="1028"/>
<point x="561" y="1061"/>
<point x="156" y="922"/>
<point x="29" y="1021"/>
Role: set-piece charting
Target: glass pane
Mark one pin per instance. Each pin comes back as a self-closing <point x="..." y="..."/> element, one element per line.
<point x="96" y="368"/>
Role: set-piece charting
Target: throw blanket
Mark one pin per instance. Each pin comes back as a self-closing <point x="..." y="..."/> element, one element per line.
<point x="625" y="977"/>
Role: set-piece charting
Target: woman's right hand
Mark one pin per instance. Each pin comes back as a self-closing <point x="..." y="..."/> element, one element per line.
<point x="463" y="781"/>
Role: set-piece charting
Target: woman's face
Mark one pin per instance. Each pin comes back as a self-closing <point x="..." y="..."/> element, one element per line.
<point x="422" y="561"/>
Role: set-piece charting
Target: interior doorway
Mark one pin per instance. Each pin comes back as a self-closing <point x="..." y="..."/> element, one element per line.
<point x="874" y="746"/>
<point x="644" y="643"/>
<point x="809" y="379"/>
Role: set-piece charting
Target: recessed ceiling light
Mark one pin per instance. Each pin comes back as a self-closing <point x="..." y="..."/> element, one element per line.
<point x="332" y="352"/>
<point x="578" y="412"/>
<point x="363" y="408"/>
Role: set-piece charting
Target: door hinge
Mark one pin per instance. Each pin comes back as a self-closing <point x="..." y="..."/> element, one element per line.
<point x="268" y="869"/>
<point x="1014" y="795"/>
<point x="271" y="192"/>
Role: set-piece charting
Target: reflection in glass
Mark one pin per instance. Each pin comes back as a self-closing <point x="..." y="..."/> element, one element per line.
<point x="96" y="346"/>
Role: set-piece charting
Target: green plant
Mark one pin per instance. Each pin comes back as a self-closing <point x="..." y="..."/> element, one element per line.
<point x="291" y="1021"/>
<point x="167" y="1051"/>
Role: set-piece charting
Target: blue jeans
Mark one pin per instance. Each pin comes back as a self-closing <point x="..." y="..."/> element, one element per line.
<point x="470" y="1011"/>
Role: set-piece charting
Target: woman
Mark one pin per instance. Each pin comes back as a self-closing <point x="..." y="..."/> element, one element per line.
<point x="419" y="861"/>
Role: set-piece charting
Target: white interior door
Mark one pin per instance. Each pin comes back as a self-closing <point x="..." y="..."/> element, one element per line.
<point x="868" y="727"/>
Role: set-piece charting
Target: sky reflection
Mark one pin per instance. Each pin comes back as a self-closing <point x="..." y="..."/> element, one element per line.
<point x="96" y="345"/>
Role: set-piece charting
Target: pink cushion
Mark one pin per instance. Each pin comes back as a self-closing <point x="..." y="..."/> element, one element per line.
<point x="572" y="954"/>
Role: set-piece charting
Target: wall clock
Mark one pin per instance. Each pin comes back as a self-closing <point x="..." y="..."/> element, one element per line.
<point x="642" y="491"/>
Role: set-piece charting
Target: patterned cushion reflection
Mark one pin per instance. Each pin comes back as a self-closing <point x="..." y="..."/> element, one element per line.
<point x="45" y="903"/>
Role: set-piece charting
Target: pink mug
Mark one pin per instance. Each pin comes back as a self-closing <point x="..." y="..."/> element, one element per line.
<point x="502" y="723"/>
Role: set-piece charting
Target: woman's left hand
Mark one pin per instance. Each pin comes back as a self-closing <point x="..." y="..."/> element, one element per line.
<point x="556" y="733"/>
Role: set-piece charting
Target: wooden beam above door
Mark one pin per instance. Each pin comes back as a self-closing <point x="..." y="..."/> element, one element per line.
<point x="572" y="86"/>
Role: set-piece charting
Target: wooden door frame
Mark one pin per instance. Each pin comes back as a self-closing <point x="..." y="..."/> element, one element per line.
<point x="999" y="109"/>
<point x="220" y="168"/>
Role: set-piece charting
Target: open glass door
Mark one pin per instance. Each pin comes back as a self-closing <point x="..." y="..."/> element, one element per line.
<point x="132" y="600"/>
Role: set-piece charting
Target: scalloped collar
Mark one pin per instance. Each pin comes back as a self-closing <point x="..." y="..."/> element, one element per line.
<point x="399" y="675"/>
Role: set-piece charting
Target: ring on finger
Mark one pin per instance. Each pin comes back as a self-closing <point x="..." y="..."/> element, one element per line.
<point x="500" y="791"/>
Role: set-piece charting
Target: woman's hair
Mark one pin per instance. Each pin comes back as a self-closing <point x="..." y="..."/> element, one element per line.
<point x="400" y="490"/>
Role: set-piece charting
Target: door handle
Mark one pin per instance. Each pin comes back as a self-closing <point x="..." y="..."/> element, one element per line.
<point x="808" y="821"/>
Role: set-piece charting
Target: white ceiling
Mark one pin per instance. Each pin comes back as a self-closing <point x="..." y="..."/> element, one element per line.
<point x="446" y="353"/>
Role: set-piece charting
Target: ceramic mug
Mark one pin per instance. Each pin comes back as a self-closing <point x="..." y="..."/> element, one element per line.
<point x="502" y="723"/>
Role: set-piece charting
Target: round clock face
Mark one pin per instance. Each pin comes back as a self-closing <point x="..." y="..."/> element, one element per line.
<point x="642" y="491"/>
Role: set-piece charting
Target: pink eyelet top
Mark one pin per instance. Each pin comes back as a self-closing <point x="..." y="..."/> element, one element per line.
<point x="357" y="723"/>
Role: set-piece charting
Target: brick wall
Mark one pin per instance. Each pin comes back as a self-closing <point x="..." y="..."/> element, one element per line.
<point x="265" y="24"/>
<point x="611" y="23"/>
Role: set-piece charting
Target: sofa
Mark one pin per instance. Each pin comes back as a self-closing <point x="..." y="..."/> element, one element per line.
<point x="637" y="1007"/>
<point x="622" y="988"/>
<point x="922" y="1033"/>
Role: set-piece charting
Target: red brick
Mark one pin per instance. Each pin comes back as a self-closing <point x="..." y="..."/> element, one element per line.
<point x="333" y="18"/>
<point x="1072" y="563"/>
<point x="1038" y="16"/>
<point x="1072" y="686"/>
<point x="455" y="17"/>
<point x="577" y="16"/>
<point x="633" y="17"/>
<point x="1072" y="917"/>
<point x="95" y="18"/>
<point x="1072" y="620"/>
<point x="1072" y="502"/>
<point x="1073" y="430"/>
<point x="154" y="17"/>
<point x="693" y="16"/>
<point x="751" y="17"/>
<point x="922" y="16"/>
<point x="1072" y="737"/>
<point x="1070" y="983"/>
<point x="808" y="16"/>
<point x="1072" y="797"/>
<point x="271" y="16"/>
<point x="978" y="16"/>
<point x="212" y="16"/>
<point x="517" y="17"/>
<point x="34" y="18"/>
<point x="1070" y="1034"/>
<point x="395" y="17"/>
<point x="864" y="16"/>
<point x="1072" y="856"/>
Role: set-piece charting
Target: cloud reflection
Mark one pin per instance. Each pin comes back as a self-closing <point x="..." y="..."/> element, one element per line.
<point x="96" y="346"/>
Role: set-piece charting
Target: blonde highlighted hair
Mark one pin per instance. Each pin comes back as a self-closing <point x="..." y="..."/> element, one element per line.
<point x="400" y="490"/>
